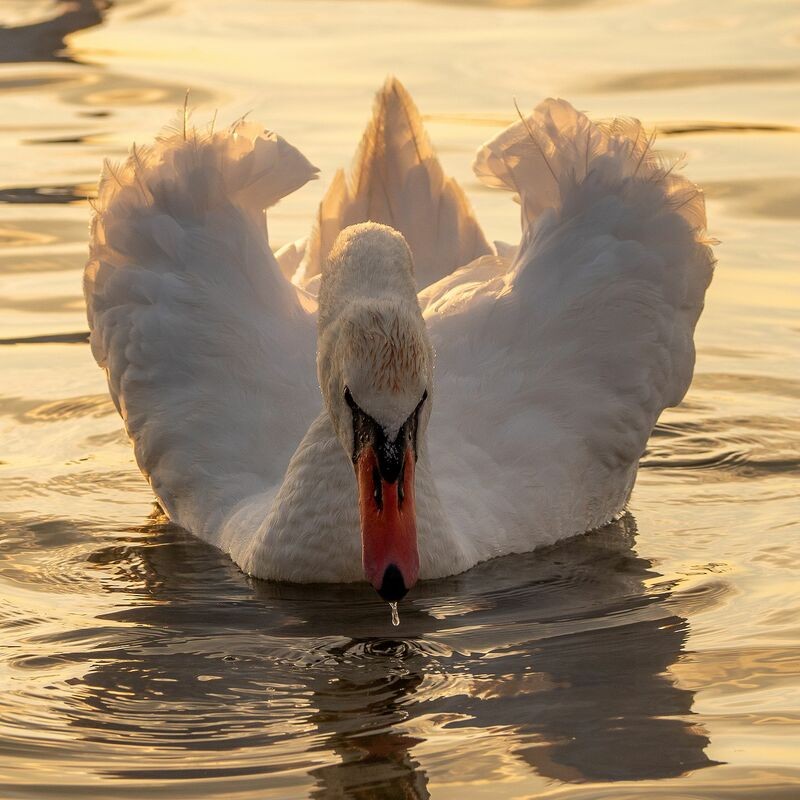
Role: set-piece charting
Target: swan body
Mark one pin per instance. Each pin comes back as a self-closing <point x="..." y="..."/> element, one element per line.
<point x="268" y="396"/>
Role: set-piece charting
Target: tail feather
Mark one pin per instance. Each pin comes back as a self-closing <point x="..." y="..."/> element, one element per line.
<point x="397" y="180"/>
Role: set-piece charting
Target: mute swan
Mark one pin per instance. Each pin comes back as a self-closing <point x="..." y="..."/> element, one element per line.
<point x="553" y="359"/>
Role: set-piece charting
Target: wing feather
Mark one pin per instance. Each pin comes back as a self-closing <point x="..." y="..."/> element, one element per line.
<point x="551" y="374"/>
<point x="208" y="350"/>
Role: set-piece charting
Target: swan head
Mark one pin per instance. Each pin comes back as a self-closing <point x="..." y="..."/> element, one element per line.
<point x="375" y="366"/>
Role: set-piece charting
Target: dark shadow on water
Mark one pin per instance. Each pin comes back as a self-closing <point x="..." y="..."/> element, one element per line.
<point x="557" y="660"/>
<point x="45" y="40"/>
<point x="670" y="79"/>
<point x="80" y="337"/>
<point x="60" y="195"/>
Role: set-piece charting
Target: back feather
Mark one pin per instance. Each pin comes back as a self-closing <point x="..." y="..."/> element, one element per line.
<point x="397" y="180"/>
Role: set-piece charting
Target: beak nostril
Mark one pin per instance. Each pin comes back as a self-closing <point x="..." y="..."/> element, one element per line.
<point x="377" y="491"/>
<point x="393" y="587"/>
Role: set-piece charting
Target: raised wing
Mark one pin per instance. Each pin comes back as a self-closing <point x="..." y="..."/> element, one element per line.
<point x="550" y="377"/>
<point x="208" y="351"/>
<point x="396" y="179"/>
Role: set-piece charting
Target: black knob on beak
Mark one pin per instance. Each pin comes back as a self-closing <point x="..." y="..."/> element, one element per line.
<point x="393" y="587"/>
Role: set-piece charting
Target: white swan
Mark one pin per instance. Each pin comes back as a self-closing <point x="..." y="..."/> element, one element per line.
<point x="553" y="360"/>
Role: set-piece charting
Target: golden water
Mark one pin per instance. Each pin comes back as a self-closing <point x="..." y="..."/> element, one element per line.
<point x="656" y="658"/>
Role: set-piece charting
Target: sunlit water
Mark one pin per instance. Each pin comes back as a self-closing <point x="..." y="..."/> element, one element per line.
<point x="656" y="658"/>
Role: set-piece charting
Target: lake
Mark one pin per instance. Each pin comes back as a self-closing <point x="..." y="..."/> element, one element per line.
<point x="658" y="657"/>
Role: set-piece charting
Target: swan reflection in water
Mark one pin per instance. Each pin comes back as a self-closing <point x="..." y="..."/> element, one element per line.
<point x="557" y="661"/>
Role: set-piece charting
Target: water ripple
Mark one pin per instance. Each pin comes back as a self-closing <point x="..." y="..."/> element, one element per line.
<point x="138" y="661"/>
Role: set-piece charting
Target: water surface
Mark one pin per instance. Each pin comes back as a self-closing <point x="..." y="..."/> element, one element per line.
<point x="656" y="658"/>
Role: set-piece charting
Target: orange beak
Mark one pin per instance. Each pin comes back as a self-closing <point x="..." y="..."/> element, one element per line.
<point x="388" y="525"/>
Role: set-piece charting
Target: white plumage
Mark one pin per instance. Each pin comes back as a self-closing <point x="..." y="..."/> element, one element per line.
<point x="551" y="367"/>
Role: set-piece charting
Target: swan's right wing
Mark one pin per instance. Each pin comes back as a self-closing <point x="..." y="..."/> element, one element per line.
<point x="208" y="351"/>
<point x="551" y="376"/>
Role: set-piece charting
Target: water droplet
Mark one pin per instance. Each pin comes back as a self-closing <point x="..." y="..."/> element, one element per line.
<point x="395" y="614"/>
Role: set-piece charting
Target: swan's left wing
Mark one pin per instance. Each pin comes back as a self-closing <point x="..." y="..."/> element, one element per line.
<point x="207" y="347"/>
<point x="553" y="369"/>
